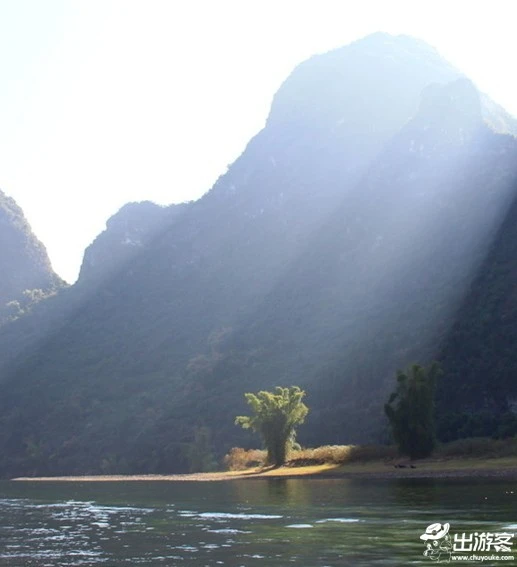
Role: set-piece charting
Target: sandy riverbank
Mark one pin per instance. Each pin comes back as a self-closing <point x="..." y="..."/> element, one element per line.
<point x="195" y="477"/>
<point x="455" y="468"/>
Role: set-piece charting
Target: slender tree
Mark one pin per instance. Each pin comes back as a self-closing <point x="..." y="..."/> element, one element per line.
<point x="410" y="410"/>
<point x="275" y="417"/>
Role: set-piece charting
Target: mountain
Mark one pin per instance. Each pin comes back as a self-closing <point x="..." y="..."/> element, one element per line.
<point x="127" y="232"/>
<point x="27" y="275"/>
<point x="478" y="355"/>
<point x="339" y="246"/>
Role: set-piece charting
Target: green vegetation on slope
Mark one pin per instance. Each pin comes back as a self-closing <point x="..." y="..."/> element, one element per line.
<point x="479" y="356"/>
<point x="27" y="276"/>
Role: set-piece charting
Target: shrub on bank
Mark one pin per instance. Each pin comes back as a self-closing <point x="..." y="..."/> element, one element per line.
<point x="240" y="459"/>
<point x="482" y="447"/>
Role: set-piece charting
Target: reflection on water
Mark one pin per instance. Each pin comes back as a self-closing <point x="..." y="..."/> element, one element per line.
<point x="309" y="523"/>
<point x="276" y="490"/>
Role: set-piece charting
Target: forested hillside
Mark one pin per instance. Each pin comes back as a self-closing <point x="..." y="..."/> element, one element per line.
<point x="27" y="275"/>
<point x="479" y="357"/>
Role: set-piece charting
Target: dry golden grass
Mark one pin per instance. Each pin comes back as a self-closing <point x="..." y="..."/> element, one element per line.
<point x="340" y="454"/>
<point x="239" y="459"/>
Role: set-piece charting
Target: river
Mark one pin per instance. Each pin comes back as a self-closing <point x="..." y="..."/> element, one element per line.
<point x="266" y="523"/>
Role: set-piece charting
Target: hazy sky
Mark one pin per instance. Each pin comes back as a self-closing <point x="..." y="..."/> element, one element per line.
<point x="106" y="101"/>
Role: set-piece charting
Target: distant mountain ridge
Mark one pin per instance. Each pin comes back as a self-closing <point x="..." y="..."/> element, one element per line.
<point x="26" y="270"/>
<point x="338" y="247"/>
<point x="127" y="232"/>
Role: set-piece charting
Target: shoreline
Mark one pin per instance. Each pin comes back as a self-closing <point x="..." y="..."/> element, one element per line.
<point x="323" y="472"/>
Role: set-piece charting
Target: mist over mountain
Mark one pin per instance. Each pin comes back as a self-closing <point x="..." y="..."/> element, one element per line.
<point x="27" y="275"/>
<point x="341" y="245"/>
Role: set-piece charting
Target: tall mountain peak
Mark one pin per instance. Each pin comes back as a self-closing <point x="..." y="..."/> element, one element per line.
<point x="351" y="88"/>
<point x="354" y="84"/>
<point x="401" y="44"/>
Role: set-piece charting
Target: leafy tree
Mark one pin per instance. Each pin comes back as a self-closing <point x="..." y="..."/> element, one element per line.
<point x="276" y="414"/>
<point x="410" y="410"/>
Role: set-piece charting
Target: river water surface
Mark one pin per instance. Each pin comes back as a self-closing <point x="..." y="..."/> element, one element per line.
<point x="266" y="523"/>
